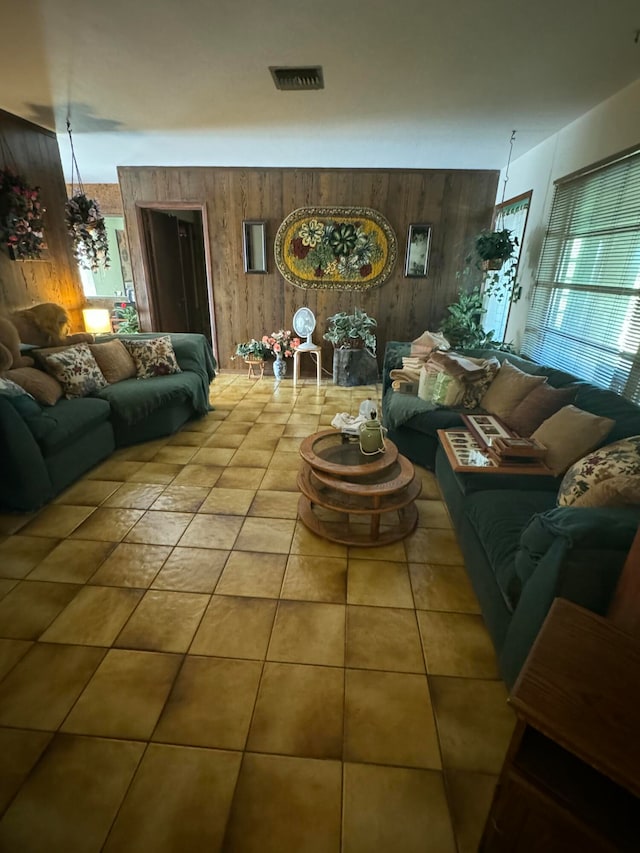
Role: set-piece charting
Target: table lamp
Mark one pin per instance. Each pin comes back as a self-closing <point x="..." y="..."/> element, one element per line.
<point x="97" y="321"/>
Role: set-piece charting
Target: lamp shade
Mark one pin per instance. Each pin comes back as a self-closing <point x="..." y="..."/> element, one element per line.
<point x="97" y="320"/>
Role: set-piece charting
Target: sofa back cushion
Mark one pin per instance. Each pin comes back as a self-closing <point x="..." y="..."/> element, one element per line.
<point x="39" y="384"/>
<point x="537" y="406"/>
<point x="598" y="401"/>
<point x="509" y="388"/>
<point x="570" y="434"/>
<point x="114" y="361"/>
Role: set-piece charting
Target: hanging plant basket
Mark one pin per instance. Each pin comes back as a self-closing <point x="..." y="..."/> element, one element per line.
<point x="492" y="264"/>
<point x="87" y="229"/>
<point x="21" y="229"/>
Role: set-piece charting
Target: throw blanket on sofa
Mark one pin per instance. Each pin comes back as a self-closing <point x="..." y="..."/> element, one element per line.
<point x="193" y="354"/>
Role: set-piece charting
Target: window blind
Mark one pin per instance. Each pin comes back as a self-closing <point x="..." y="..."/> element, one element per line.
<point x="585" y="311"/>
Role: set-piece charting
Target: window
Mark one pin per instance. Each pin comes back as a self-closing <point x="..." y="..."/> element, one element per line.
<point x="117" y="281"/>
<point x="585" y="312"/>
<point x="513" y="215"/>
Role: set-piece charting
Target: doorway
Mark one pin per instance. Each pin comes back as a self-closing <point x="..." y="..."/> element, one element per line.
<point x="178" y="280"/>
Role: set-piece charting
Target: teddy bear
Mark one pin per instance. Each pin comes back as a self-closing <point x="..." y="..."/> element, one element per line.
<point x="46" y="325"/>
<point x="10" y="355"/>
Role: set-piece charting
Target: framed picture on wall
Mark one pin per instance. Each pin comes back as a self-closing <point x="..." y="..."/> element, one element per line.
<point x="125" y="257"/>
<point x="416" y="263"/>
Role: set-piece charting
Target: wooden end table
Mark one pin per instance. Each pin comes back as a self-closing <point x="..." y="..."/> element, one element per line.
<point x="571" y="779"/>
<point x="337" y="476"/>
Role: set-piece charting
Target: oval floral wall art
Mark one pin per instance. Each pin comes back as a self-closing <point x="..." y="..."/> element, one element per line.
<point x="340" y="248"/>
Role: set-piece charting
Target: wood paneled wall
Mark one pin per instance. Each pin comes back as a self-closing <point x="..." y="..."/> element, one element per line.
<point x="457" y="204"/>
<point x="33" y="152"/>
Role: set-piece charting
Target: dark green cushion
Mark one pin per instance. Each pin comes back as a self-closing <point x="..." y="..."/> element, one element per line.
<point x="610" y="405"/>
<point x="499" y="518"/>
<point x="71" y="420"/>
<point x="34" y="416"/>
<point x="598" y="528"/>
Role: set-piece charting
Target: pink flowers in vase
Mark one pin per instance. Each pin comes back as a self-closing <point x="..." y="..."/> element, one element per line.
<point x="281" y="343"/>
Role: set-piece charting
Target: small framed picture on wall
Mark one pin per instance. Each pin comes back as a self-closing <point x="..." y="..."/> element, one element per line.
<point x="416" y="264"/>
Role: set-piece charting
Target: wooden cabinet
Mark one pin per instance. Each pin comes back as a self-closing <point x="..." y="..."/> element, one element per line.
<point x="571" y="778"/>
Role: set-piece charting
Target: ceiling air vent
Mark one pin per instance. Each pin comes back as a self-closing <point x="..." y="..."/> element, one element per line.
<point x="297" y="79"/>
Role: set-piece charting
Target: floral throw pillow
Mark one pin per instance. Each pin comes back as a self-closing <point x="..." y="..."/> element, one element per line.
<point x="618" y="462"/>
<point x="76" y="370"/>
<point x="155" y="357"/>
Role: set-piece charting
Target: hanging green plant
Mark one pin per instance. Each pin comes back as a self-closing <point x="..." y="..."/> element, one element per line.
<point x="21" y="212"/>
<point x="87" y="229"/>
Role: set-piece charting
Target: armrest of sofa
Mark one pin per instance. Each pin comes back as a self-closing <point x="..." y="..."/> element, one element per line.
<point x="24" y="480"/>
<point x="568" y="552"/>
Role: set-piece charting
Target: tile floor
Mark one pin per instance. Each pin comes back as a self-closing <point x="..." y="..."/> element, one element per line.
<point x="186" y="668"/>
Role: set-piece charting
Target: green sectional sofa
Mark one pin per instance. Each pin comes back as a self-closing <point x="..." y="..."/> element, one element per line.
<point x="43" y="449"/>
<point x="520" y="549"/>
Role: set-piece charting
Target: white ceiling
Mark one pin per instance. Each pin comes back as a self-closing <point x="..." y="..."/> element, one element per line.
<point x="408" y="83"/>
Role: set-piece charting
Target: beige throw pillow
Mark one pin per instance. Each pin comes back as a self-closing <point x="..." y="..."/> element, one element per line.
<point x="569" y="435"/>
<point x="508" y="389"/>
<point x="114" y="361"/>
<point x="39" y="384"/>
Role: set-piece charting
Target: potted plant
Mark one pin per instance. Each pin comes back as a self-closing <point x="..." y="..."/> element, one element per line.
<point x="87" y="229"/>
<point x="354" y="342"/>
<point x="252" y="350"/>
<point x="493" y="248"/>
<point x="126" y="320"/>
<point x="462" y="327"/>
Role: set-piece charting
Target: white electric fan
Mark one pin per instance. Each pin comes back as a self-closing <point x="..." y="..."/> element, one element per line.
<point x="304" y="322"/>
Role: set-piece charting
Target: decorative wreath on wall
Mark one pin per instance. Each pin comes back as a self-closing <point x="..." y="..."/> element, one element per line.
<point x="21" y="229"/>
<point x="339" y="248"/>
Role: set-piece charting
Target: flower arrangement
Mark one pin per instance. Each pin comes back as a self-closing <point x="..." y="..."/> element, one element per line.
<point x="281" y="343"/>
<point x="254" y="349"/>
<point x="87" y="229"/>
<point x="20" y="217"/>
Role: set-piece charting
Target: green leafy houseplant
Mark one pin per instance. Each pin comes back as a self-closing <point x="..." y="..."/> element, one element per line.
<point x="352" y="331"/>
<point x="129" y="322"/>
<point x="497" y="246"/>
<point x="462" y="326"/>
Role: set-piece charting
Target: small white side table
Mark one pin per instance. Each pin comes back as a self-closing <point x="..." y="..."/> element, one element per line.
<point x="296" y="362"/>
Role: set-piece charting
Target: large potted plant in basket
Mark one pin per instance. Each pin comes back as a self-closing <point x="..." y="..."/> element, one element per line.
<point x="493" y="248"/>
<point x="354" y="354"/>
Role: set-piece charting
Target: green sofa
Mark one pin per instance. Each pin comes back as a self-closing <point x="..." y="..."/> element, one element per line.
<point x="520" y="549"/>
<point x="43" y="449"/>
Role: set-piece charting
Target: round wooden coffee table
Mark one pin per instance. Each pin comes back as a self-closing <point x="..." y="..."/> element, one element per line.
<point x="338" y="481"/>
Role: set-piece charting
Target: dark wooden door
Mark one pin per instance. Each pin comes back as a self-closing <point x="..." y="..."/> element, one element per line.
<point x="194" y="276"/>
<point x="177" y="271"/>
<point x="165" y="269"/>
